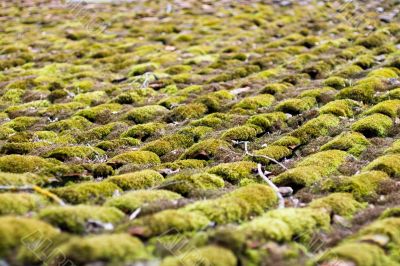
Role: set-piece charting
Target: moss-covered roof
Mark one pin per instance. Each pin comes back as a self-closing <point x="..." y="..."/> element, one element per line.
<point x="144" y="131"/>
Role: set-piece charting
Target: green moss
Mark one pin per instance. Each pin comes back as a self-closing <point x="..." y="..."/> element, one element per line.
<point x="101" y="132"/>
<point x="365" y="61"/>
<point x="386" y="163"/>
<point x="383" y="73"/>
<point x="187" y="111"/>
<point x="19" y="203"/>
<point x="373" y="40"/>
<point x="358" y="253"/>
<point x="316" y="127"/>
<point x="21" y="123"/>
<point x="86" y="192"/>
<point x="342" y="204"/>
<point x="100" y="112"/>
<point x="70" y="152"/>
<point x="144" y="131"/>
<point x="23" y="164"/>
<point x="169" y="143"/>
<point x="287" y="224"/>
<point x="255" y="102"/>
<point x="351" y="142"/>
<point x="170" y="221"/>
<point x="102" y="170"/>
<point x="74" y="218"/>
<point x="185" y="183"/>
<point x="237" y="205"/>
<point x="5" y="132"/>
<point x="287" y="141"/>
<point x="137" y="180"/>
<point x="276" y="88"/>
<point x="183" y="164"/>
<point x="145" y="114"/>
<point x="312" y="169"/>
<point x="375" y="125"/>
<point x="319" y="94"/>
<point x="196" y="133"/>
<point x="206" y="149"/>
<point x="215" y="100"/>
<point x="364" y="90"/>
<point x="390" y="108"/>
<point x="296" y="105"/>
<point x="132" y="200"/>
<point x="234" y="172"/>
<point x="214" y="120"/>
<point x="172" y="101"/>
<point x="272" y="151"/>
<point x="76" y="122"/>
<point x="22" y="147"/>
<point x="362" y="186"/>
<point x="241" y="133"/>
<point x="393" y="212"/>
<point x="268" y="121"/>
<point x="339" y="108"/>
<point x="140" y="69"/>
<point x="92" y="249"/>
<point x="15" y="232"/>
<point x="10" y="179"/>
<point x="116" y="144"/>
<point x="137" y="157"/>
<point x="335" y="82"/>
<point x="13" y="96"/>
<point x="394" y="148"/>
<point x="208" y="255"/>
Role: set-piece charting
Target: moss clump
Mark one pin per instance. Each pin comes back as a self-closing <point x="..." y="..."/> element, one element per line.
<point x="390" y="213"/>
<point x="102" y="170"/>
<point x="70" y="152"/>
<point x="132" y="200"/>
<point x="19" y="203"/>
<point x="373" y="40"/>
<point x="74" y="218"/>
<point x="208" y="255"/>
<point x="144" y="131"/>
<point x="275" y="88"/>
<point x="76" y="122"/>
<point x="145" y="114"/>
<point x="185" y="183"/>
<point x="342" y="204"/>
<point x="335" y="82"/>
<point x="86" y="192"/>
<point x="137" y="157"/>
<point x="384" y="73"/>
<point x="140" y="69"/>
<point x="358" y="253"/>
<point x="268" y="121"/>
<point x="101" y="132"/>
<point x="206" y="149"/>
<point x="362" y="186"/>
<point x="21" y="123"/>
<point x="237" y="205"/>
<point x="272" y="151"/>
<point x="15" y="232"/>
<point x="316" y="127"/>
<point x="375" y="125"/>
<point x="137" y="180"/>
<point x="339" y="108"/>
<point x="24" y="164"/>
<point x="394" y="148"/>
<point x="214" y="120"/>
<point x="390" y="108"/>
<point x="287" y="141"/>
<point x="100" y="113"/>
<point x="387" y="163"/>
<point x="255" y="102"/>
<point x="312" y="169"/>
<point x="286" y="224"/>
<point x="10" y="179"/>
<point x="169" y="143"/>
<point x="235" y="172"/>
<point x="296" y="106"/>
<point x="92" y="249"/>
<point x="349" y="71"/>
<point x="215" y="100"/>
<point x="187" y="111"/>
<point x="352" y="142"/>
<point x="363" y="90"/>
<point x="22" y="147"/>
<point x="241" y="133"/>
<point x="183" y="164"/>
<point x="170" y="221"/>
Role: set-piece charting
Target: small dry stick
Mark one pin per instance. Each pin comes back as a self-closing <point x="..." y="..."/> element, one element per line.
<point x="262" y="156"/>
<point x="272" y="185"/>
<point x="36" y="189"/>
